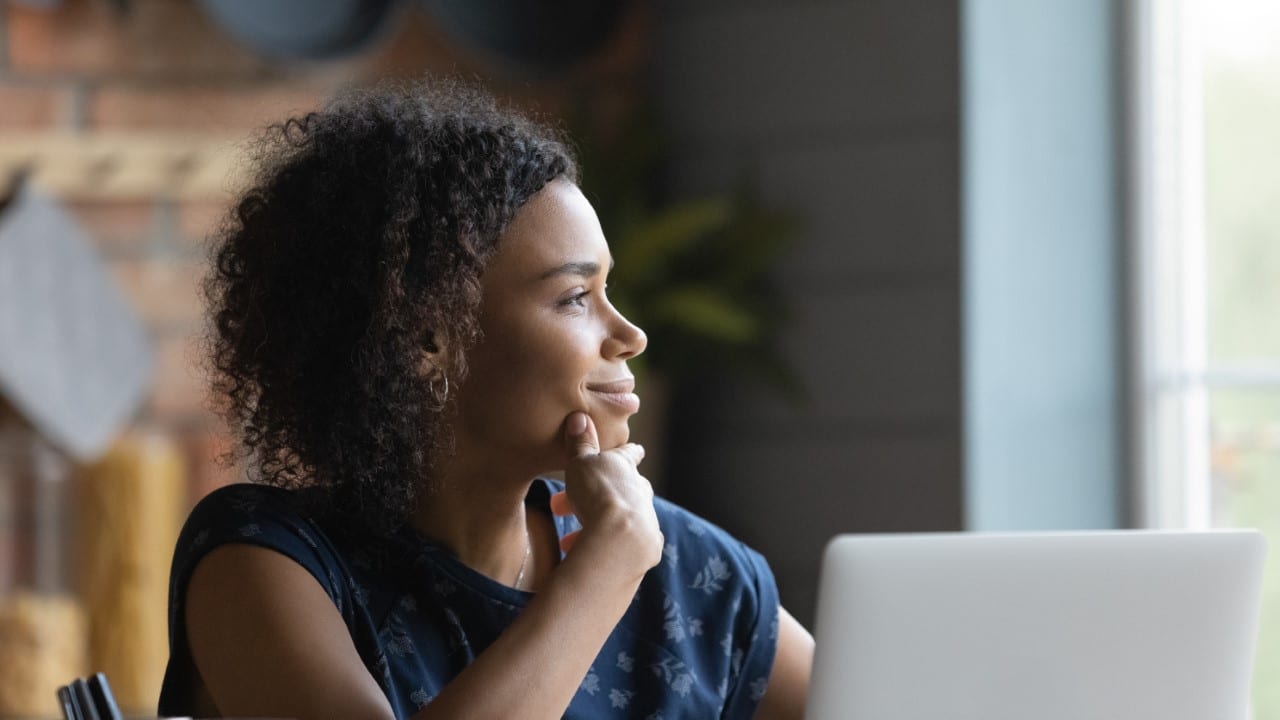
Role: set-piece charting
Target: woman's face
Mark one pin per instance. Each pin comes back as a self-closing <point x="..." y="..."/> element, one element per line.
<point x="552" y="343"/>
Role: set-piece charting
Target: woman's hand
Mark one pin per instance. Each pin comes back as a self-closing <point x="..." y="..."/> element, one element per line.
<point x="611" y="499"/>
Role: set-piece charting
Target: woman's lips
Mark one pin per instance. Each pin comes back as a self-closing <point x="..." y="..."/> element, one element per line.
<point x="618" y="393"/>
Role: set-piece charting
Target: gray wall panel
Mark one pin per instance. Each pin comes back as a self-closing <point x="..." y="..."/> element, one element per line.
<point x="847" y="114"/>
<point x="886" y="357"/>
<point x="779" y="69"/>
<point x="804" y="491"/>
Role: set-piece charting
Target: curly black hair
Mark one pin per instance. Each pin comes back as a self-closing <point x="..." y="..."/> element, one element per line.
<point x="359" y="246"/>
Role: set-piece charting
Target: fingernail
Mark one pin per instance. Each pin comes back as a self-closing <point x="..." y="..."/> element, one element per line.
<point x="577" y="423"/>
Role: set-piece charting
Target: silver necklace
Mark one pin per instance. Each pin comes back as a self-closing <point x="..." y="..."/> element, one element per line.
<point x="523" y="563"/>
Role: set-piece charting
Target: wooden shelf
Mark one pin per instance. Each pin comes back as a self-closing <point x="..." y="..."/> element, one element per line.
<point x="82" y="166"/>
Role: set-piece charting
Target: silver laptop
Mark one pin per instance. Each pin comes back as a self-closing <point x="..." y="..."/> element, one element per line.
<point x="1131" y="625"/>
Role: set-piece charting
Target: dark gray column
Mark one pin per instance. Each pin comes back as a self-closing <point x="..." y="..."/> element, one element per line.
<point x="846" y="113"/>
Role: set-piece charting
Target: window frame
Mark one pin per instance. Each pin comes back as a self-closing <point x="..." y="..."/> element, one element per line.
<point x="1171" y="378"/>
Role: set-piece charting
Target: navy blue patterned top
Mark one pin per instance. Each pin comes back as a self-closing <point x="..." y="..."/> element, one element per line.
<point x="697" y="641"/>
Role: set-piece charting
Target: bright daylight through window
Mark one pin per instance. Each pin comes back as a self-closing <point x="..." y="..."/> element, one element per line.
<point x="1206" y="135"/>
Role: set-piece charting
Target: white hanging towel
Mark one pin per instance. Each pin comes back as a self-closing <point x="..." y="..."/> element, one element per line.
<point x="74" y="357"/>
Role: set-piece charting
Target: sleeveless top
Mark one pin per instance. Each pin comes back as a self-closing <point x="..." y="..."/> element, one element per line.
<point x="697" y="641"/>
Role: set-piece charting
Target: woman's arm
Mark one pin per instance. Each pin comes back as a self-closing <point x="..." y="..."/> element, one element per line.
<point x="535" y="667"/>
<point x="267" y="640"/>
<point x="792" y="666"/>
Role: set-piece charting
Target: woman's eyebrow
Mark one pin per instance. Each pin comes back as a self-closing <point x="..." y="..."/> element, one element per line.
<point x="582" y="269"/>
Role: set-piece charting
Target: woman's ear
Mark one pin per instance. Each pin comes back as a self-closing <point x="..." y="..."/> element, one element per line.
<point x="436" y="368"/>
<point x="438" y="356"/>
<point x="435" y="356"/>
<point x="433" y="343"/>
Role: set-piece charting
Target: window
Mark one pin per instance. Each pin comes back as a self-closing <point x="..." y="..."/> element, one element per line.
<point x="1206" y="180"/>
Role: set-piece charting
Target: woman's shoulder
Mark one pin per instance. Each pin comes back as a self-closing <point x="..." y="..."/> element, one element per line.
<point x="703" y="623"/>
<point x="703" y="562"/>
<point x="685" y="522"/>
<point x="250" y="509"/>
<point x="244" y="497"/>
<point x="262" y="515"/>
<point x="690" y="534"/>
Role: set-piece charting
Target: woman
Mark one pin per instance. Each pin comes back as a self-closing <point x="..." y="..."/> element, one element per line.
<point x="410" y="326"/>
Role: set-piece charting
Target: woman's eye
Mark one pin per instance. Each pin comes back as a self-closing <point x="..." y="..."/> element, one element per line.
<point x="577" y="300"/>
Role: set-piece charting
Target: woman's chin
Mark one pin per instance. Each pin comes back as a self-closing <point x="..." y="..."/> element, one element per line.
<point x="613" y="425"/>
<point x="614" y="434"/>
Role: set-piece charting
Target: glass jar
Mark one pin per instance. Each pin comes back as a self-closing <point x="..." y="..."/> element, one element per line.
<point x="43" y="634"/>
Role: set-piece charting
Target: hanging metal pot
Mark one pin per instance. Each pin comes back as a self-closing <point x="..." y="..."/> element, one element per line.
<point x="303" y="29"/>
<point x="531" y="35"/>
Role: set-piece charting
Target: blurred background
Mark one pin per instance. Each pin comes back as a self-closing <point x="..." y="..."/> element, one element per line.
<point x="905" y="265"/>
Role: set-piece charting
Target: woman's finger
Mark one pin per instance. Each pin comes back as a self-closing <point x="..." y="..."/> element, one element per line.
<point x="633" y="452"/>
<point x="580" y="435"/>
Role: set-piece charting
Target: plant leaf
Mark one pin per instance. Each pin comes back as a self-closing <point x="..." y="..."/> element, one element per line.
<point x="758" y="239"/>
<point x="646" y="247"/>
<point x="704" y="312"/>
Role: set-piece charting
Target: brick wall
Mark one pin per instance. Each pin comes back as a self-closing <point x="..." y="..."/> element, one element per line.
<point x="162" y="66"/>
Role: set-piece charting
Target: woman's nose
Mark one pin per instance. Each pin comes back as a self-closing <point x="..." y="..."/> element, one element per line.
<point x="626" y="339"/>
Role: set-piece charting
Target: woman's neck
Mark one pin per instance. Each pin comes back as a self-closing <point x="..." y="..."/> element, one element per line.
<point x="479" y="519"/>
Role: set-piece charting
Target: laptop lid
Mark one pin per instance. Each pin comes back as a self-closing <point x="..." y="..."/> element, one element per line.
<point x="1133" y="625"/>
